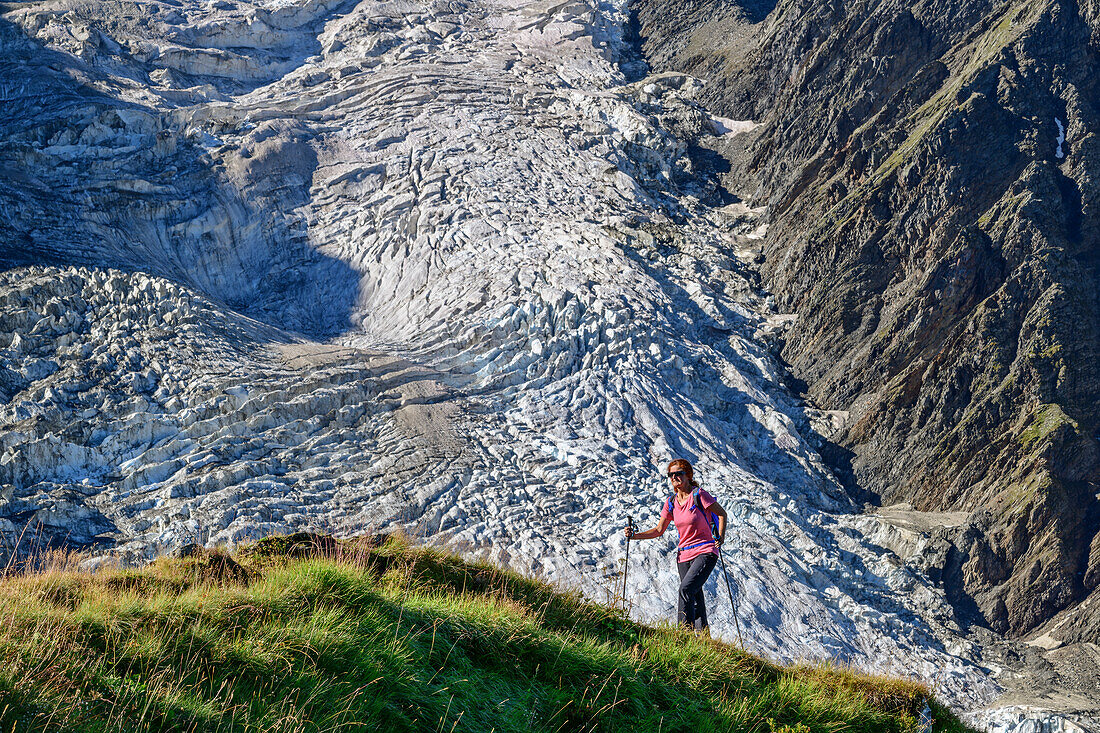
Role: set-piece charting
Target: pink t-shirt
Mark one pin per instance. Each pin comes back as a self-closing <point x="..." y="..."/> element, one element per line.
<point x="693" y="525"/>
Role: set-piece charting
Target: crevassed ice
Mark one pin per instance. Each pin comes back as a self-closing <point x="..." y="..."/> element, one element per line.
<point x="482" y="301"/>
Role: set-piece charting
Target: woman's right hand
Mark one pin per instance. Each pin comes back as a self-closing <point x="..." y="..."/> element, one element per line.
<point x="629" y="532"/>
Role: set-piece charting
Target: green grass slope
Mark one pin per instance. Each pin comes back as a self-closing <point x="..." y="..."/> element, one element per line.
<point x="308" y="634"/>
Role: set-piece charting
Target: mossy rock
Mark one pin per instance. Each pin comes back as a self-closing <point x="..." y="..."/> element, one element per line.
<point x="1046" y="424"/>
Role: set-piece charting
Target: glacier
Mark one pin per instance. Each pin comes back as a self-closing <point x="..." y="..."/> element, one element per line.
<point x="449" y="267"/>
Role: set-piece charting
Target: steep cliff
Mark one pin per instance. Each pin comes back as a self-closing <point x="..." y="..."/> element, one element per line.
<point x="929" y="171"/>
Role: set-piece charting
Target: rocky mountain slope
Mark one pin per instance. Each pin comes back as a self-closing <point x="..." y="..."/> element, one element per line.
<point x="453" y="267"/>
<point x="929" y="172"/>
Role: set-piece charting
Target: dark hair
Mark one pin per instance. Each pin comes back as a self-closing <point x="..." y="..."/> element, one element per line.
<point x="686" y="466"/>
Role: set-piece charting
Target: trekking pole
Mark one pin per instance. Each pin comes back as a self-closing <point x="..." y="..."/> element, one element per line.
<point x="733" y="607"/>
<point x="626" y="563"/>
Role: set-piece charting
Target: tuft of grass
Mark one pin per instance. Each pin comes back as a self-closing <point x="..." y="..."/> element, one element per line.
<point x="308" y="634"/>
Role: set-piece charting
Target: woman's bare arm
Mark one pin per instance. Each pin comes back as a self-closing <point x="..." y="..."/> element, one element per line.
<point x="719" y="512"/>
<point x="650" y="533"/>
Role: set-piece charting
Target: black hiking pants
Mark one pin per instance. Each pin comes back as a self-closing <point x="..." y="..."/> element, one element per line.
<point x="691" y="611"/>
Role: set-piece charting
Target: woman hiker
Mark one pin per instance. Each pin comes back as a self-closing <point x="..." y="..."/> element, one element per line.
<point x="697" y="551"/>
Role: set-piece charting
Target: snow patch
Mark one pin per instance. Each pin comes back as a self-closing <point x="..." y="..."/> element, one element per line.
<point x="726" y="126"/>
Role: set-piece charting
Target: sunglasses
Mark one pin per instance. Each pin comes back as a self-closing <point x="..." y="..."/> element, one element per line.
<point x="676" y="474"/>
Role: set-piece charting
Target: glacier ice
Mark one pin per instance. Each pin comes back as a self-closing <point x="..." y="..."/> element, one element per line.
<point x="444" y="266"/>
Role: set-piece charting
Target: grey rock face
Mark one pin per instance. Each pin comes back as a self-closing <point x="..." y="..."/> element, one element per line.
<point x="929" y="172"/>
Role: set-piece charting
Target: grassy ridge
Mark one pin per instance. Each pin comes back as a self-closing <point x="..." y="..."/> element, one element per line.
<point x="326" y="636"/>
